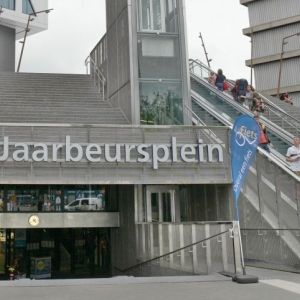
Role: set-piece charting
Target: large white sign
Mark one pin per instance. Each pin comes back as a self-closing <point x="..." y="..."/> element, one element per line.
<point x="118" y="153"/>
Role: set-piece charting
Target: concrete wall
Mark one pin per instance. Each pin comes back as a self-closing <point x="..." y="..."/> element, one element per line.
<point x="60" y="220"/>
<point x="7" y="49"/>
<point x="118" y="71"/>
<point x="123" y="240"/>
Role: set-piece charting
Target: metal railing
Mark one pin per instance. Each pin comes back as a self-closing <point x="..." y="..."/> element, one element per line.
<point x="286" y="121"/>
<point x="201" y="248"/>
<point x="98" y="77"/>
<point x="192" y="116"/>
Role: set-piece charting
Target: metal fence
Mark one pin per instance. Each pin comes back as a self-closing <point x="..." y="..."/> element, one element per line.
<point x="165" y="249"/>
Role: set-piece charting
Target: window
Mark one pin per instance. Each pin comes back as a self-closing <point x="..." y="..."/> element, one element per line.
<point x="75" y="203"/>
<point x="27" y="7"/>
<point x="85" y="202"/>
<point x="159" y="57"/>
<point x="157" y="15"/>
<point x="9" y="4"/>
<point x="161" y="103"/>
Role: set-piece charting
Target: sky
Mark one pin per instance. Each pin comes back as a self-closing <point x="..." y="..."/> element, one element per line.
<point x="75" y="27"/>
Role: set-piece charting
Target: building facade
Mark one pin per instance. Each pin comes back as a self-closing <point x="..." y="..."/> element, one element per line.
<point x="14" y="16"/>
<point x="274" y="28"/>
<point x="83" y="198"/>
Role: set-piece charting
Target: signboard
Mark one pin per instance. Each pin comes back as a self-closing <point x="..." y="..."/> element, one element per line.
<point x="244" y="141"/>
<point x="112" y="152"/>
<point x="40" y="267"/>
<point x="20" y="238"/>
<point x="99" y="154"/>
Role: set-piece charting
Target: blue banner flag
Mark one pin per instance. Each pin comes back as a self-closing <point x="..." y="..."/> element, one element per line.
<point x="244" y="141"/>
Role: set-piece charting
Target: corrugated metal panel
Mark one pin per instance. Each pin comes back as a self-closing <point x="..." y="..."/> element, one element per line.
<point x="269" y="42"/>
<point x="266" y="75"/>
<point x="265" y="11"/>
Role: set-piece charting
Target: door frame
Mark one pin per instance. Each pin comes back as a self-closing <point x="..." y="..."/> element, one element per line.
<point x="175" y="208"/>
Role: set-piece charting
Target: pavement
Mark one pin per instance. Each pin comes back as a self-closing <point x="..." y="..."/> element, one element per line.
<point x="273" y="285"/>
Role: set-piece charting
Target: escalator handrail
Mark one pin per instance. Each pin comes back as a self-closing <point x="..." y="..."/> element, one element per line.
<point x="200" y="100"/>
<point x="269" y="103"/>
<point x="210" y="135"/>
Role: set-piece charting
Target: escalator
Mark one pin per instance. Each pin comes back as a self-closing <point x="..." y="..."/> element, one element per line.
<point x="270" y="200"/>
<point x="220" y="106"/>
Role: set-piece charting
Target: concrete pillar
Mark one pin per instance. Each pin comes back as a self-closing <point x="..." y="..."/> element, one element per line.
<point x="7" y="49"/>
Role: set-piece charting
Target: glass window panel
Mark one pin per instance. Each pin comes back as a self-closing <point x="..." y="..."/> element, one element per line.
<point x="160" y="48"/>
<point x="166" y="207"/>
<point x="170" y="5"/>
<point x="53" y="198"/>
<point x="159" y="57"/>
<point x="9" y="4"/>
<point x="171" y="16"/>
<point x="155" y="207"/>
<point x="27" y="7"/>
<point x="161" y="103"/>
<point x="144" y="13"/>
<point x="157" y="15"/>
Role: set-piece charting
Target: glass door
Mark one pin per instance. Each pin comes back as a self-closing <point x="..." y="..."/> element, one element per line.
<point x="161" y="204"/>
<point x="2" y="251"/>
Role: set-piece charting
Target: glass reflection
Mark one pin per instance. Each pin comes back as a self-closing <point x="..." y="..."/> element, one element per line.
<point x="9" y="4"/>
<point x="161" y="104"/>
<point x="53" y="199"/>
<point x="27" y="7"/>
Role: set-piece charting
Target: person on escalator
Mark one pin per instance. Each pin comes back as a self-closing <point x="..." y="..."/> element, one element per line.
<point x="239" y="90"/>
<point x="249" y="96"/>
<point x="263" y="136"/>
<point x="258" y="104"/>
<point x="293" y="156"/>
<point x="286" y="98"/>
<point x="220" y="80"/>
<point x="212" y="78"/>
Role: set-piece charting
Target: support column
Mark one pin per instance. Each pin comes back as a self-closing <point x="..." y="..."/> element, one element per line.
<point x="7" y="49"/>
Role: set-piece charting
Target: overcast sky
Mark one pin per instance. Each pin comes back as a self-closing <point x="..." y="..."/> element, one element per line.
<point x="75" y="26"/>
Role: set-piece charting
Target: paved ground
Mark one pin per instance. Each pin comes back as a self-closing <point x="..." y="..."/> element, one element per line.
<point x="273" y="285"/>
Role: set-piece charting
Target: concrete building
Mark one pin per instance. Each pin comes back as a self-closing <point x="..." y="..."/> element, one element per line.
<point x="271" y="21"/>
<point x="102" y="172"/>
<point x="14" y="16"/>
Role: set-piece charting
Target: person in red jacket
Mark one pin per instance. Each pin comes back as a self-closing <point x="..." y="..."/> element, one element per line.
<point x="263" y="136"/>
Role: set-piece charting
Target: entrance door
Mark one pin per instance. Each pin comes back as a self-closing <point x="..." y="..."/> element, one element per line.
<point x="82" y="252"/>
<point x="161" y="204"/>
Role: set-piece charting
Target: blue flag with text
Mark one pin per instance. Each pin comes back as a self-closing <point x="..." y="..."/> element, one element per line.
<point x="244" y="141"/>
